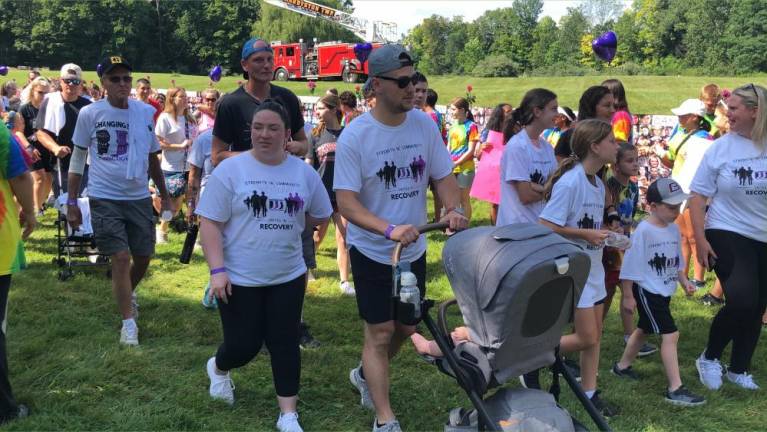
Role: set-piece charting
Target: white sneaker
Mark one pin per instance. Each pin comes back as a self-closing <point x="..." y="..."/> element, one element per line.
<point x="221" y="386"/>
<point x="392" y="426"/>
<point x="129" y="335"/>
<point x="709" y="372"/>
<point x="743" y="380"/>
<point x="161" y="237"/>
<point x="362" y="387"/>
<point x="347" y="288"/>
<point x="288" y="422"/>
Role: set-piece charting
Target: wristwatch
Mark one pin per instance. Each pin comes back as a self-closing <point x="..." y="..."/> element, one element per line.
<point x="458" y="210"/>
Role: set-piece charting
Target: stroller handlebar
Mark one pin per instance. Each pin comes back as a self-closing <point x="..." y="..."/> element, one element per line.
<point x="421" y="229"/>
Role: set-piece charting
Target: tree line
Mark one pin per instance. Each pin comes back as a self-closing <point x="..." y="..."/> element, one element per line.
<point x="708" y="37"/>
<point x="155" y="35"/>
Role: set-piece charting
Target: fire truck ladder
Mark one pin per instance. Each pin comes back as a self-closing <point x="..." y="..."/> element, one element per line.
<point x="367" y="30"/>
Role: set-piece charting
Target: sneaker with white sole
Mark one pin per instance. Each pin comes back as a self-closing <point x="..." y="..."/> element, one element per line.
<point x="390" y="426"/>
<point x="161" y="237"/>
<point x="709" y="372"/>
<point x="288" y="422"/>
<point x="347" y="288"/>
<point x="129" y="335"/>
<point x="684" y="397"/>
<point x="221" y="386"/>
<point x="742" y="380"/>
<point x="359" y="383"/>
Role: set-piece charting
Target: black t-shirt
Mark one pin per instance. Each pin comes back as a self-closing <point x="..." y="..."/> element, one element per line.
<point x="64" y="137"/>
<point x="235" y="113"/>
<point x="324" y="155"/>
<point x="29" y="112"/>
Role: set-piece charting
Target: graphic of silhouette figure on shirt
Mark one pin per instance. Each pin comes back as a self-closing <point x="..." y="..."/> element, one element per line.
<point x="744" y="175"/>
<point x="657" y="263"/>
<point x="257" y="204"/>
<point x="389" y="174"/>
<point x="294" y="204"/>
<point x="537" y="177"/>
<point x="587" y="222"/>
<point x="750" y="175"/>
<point x="414" y="169"/>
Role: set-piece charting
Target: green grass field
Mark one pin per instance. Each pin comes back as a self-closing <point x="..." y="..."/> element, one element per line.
<point x="646" y="94"/>
<point x="66" y="363"/>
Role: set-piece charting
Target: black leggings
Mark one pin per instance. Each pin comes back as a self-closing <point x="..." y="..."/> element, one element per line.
<point x="255" y="315"/>
<point x="741" y="266"/>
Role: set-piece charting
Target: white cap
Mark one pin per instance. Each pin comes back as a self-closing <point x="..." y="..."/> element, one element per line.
<point x="408" y="279"/>
<point x="690" y="106"/>
<point x="71" y="71"/>
<point x="562" y="111"/>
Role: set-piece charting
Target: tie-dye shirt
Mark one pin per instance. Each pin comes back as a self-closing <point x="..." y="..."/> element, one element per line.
<point x="11" y="165"/>
<point x="459" y="138"/>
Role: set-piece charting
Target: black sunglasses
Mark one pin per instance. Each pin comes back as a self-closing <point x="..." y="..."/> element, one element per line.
<point x="72" y="81"/>
<point x="116" y="79"/>
<point x="753" y="89"/>
<point x="210" y="99"/>
<point x="402" y="81"/>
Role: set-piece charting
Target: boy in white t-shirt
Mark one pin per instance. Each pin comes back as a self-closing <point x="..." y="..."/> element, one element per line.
<point x="649" y="275"/>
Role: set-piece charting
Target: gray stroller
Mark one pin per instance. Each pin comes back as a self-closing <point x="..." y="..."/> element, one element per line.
<point x="517" y="287"/>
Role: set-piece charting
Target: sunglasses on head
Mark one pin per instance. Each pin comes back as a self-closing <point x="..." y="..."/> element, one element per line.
<point x="753" y="89"/>
<point x="116" y="79"/>
<point x="72" y="81"/>
<point x="402" y="81"/>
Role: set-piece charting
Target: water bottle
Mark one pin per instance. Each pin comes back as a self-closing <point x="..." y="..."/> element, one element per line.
<point x="618" y="241"/>
<point x="409" y="293"/>
<point x="189" y="241"/>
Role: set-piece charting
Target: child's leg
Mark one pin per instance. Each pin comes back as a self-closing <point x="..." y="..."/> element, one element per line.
<point x="466" y="201"/>
<point x="670" y="360"/>
<point x="627" y="319"/>
<point x="585" y="332"/>
<point x="590" y="355"/>
<point x="634" y="344"/>
<point x="425" y="346"/>
<point x="610" y="289"/>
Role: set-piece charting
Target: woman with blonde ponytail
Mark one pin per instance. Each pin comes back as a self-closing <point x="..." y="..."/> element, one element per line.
<point x="731" y="236"/>
<point x="575" y="207"/>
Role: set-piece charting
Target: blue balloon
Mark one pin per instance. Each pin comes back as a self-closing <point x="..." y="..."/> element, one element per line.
<point x="362" y="51"/>
<point x="605" y="46"/>
<point x="215" y="74"/>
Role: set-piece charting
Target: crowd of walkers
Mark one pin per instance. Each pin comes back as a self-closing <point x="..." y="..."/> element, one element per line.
<point x="263" y="186"/>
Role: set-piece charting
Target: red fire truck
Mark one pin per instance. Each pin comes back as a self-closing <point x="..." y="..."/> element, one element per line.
<point x="318" y="60"/>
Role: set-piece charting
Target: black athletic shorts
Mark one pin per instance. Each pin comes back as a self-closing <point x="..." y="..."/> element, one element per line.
<point x="654" y="312"/>
<point x="373" y="285"/>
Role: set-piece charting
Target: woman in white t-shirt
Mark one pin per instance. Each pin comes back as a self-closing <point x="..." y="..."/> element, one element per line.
<point x="176" y="129"/>
<point x="575" y="207"/>
<point x="252" y="214"/>
<point x="731" y="236"/>
<point x="528" y="160"/>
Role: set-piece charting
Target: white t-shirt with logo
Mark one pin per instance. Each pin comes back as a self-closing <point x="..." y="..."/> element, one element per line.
<point x="654" y="258"/>
<point x="263" y="208"/>
<point x="175" y="132"/>
<point x="390" y="167"/>
<point x="733" y="174"/>
<point x="199" y="156"/>
<point x="104" y="130"/>
<point x="522" y="161"/>
<point x="576" y="203"/>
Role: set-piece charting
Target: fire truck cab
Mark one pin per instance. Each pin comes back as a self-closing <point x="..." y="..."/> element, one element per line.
<point x="314" y="60"/>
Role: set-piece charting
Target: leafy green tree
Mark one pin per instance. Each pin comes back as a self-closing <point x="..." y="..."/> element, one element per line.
<point x="746" y="36"/>
<point x="545" y="36"/>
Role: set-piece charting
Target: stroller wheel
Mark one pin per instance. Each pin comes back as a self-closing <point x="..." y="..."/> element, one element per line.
<point x="109" y="274"/>
<point x="65" y="274"/>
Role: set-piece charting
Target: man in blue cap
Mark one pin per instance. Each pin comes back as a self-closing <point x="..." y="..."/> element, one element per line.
<point x="231" y="132"/>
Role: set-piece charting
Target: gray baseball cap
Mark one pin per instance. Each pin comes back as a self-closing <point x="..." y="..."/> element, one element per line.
<point x="667" y="191"/>
<point x="387" y="58"/>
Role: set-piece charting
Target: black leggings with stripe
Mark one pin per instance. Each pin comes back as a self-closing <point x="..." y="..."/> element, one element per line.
<point x="741" y="266"/>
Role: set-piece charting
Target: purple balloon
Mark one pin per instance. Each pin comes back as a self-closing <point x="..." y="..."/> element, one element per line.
<point x="362" y="51"/>
<point x="605" y="46"/>
<point x="3" y="70"/>
<point x="215" y="74"/>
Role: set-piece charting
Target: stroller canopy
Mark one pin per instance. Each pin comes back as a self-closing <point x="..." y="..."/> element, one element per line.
<point x="517" y="287"/>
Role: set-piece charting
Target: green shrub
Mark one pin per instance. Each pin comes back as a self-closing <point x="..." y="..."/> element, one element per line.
<point x="497" y="65"/>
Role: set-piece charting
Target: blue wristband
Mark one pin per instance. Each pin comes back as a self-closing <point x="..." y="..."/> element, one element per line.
<point x="217" y="270"/>
<point x="388" y="231"/>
